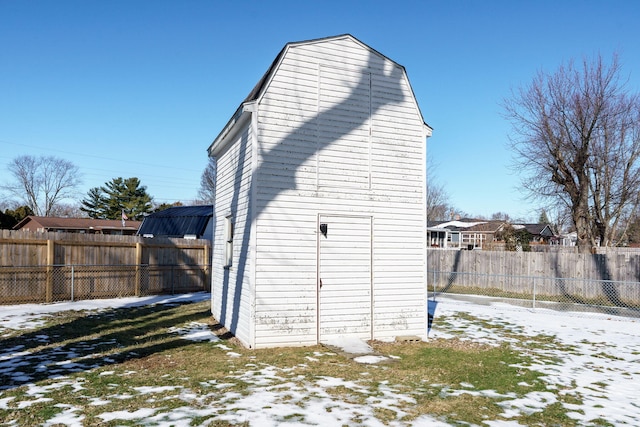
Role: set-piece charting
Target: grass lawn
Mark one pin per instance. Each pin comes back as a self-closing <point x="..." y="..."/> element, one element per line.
<point x="131" y="366"/>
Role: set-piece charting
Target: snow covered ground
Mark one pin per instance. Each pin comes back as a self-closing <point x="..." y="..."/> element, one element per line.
<point x="597" y="357"/>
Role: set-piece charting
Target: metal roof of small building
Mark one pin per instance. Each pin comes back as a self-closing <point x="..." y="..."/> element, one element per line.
<point x="178" y="221"/>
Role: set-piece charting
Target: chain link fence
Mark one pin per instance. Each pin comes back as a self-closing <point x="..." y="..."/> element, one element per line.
<point x="577" y="295"/>
<point x="40" y="284"/>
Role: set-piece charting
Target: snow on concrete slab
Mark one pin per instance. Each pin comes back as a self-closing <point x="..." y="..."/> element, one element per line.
<point x="351" y="345"/>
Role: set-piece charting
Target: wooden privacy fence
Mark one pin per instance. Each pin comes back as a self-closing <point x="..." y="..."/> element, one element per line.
<point x="623" y="267"/>
<point x="607" y="280"/>
<point x="46" y="267"/>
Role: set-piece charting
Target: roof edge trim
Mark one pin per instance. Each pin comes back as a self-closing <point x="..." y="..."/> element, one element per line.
<point x="231" y="128"/>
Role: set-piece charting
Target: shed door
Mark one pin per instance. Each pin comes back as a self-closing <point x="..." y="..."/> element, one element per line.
<point x="344" y="277"/>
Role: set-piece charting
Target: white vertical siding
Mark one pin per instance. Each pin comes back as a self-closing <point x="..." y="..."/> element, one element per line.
<point x="343" y="120"/>
<point x="232" y="286"/>
<point x="302" y="136"/>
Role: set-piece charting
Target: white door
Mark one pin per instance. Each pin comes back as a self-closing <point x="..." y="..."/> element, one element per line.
<point x="344" y="277"/>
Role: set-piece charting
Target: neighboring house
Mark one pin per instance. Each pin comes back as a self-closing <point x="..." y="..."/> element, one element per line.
<point x="78" y="225"/>
<point x="320" y="201"/>
<point x="471" y="234"/>
<point x="189" y="222"/>
<point x="540" y="233"/>
<point x="464" y="233"/>
<point x="569" y="239"/>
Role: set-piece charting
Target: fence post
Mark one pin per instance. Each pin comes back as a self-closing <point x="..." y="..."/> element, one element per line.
<point x="206" y="282"/>
<point x="72" y="282"/>
<point x="50" y="261"/>
<point x="534" y="293"/>
<point x="138" y="284"/>
<point x="434" y="285"/>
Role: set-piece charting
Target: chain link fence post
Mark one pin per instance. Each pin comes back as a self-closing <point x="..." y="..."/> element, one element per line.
<point x="72" y="283"/>
<point x="534" y="293"/>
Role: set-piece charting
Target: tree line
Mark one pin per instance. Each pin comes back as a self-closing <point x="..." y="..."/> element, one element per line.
<point x="42" y="185"/>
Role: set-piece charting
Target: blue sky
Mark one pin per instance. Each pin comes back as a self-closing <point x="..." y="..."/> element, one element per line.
<point x="141" y="88"/>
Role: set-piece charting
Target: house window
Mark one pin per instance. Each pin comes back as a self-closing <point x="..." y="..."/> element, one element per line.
<point x="228" y="242"/>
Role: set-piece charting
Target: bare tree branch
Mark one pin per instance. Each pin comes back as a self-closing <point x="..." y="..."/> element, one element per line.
<point x="41" y="183"/>
<point x="207" y="191"/>
<point x="438" y="205"/>
<point x="576" y="139"/>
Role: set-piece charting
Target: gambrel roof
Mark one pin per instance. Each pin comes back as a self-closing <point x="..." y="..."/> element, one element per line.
<point x="258" y="88"/>
<point x="264" y="81"/>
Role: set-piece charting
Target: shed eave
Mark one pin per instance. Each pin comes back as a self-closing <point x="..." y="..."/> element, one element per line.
<point x="239" y="118"/>
<point x="428" y="130"/>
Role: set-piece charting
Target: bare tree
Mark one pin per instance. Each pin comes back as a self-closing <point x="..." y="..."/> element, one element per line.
<point x="42" y="182"/>
<point x="438" y="205"/>
<point x="207" y="189"/>
<point x="576" y="137"/>
<point x="67" y="210"/>
<point x="500" y="216"/>
<point x="437" y="202"/>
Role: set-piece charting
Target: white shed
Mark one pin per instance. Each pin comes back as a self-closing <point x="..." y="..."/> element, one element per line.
<point x="320" y="201"/>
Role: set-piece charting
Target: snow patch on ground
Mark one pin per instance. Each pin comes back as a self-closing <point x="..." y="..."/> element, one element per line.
<point x="596" y="358"/>
<point x="196" y="331"/>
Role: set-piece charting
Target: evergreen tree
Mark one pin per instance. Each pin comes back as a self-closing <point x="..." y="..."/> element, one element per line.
<point x="515" y="239"/>
<point x="117" y="197"/>
<point x="11" y="217"/>
<point x="94" y="202"/>
<point x="163" y="206"/>
<point x="633" y="231"/>
<point x="543" y="219"/>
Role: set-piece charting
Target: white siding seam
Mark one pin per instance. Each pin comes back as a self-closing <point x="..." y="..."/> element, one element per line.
<point x="370" y="120"/>
<point x="317" y="313"/>
<point x="372" y="282"/>
<point x="256" y="160"/>
<point x="317" y="136"/>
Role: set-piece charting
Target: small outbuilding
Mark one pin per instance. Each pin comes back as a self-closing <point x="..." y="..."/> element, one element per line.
<point x="189" y="222"/>
<point x="320" y="201"/>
